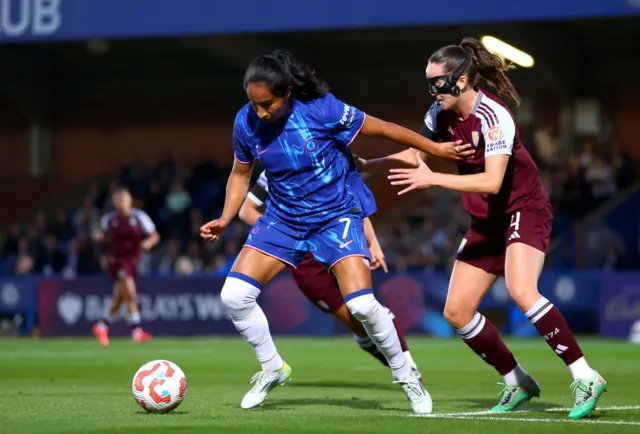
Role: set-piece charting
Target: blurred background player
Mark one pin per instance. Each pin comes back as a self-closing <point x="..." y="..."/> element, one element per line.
<point x="510" y="219"/>
<point x="127" y="231"/>
<point x="301" y="134"/>
<point x="319" y="285"/>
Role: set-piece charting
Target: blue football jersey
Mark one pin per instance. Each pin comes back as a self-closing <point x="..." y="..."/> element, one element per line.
<point x="309" y="166"/>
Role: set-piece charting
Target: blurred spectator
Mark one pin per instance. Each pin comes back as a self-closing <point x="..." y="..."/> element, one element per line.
<point x="623" y="166"/>
<point x="169" y="255"/>
<point x="23" y="264"/>
<point x="10" y="247"/>
<point x="62" y="226"/>
<point x="545" y="147"/>
<point x="191" y="262"/>
<point x="49" y="259"/>
<point x="87" y="218"/>
<point x="178" y="199"/>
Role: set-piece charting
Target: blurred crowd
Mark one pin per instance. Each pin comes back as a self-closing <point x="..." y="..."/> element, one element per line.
<point x="177" y="197"/>
<point x="181" y="197"/>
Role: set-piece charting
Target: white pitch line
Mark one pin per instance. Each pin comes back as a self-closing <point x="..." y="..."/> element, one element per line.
<point x="533" y="419"/>
<point x="533" y="410"/>
<point x="485" y="415"/>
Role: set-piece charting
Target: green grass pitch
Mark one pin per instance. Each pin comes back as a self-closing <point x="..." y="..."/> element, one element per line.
<point x="76" y="386"/>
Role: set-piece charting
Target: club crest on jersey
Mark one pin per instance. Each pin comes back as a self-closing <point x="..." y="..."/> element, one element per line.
<point x="475" y="137"/>
<point x="310" y="145"/>
<point x="495" y="133"/>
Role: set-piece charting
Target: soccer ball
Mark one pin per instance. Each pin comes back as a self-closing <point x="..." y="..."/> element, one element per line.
<point x="159" y="386"/>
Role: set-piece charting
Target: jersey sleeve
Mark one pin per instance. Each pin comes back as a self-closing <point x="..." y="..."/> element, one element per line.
<point x="147" y="225"/>
<point x="241" y="149"/>
<point x="430" y="126"/>
<point x="342" y="120"/>
<point x="499" y="134"/>
<point x="260" y="191"/>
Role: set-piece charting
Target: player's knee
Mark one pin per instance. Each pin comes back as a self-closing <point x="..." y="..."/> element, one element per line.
<point x="238" y="294"/>
<point x="523" y="294"/>
<point x="362" y="304"/>
<point x="457" y="316"/>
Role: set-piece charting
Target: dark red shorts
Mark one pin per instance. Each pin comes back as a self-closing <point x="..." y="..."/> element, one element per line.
<point x="121" y="268"/>
<point x="485" y="243"/>
<point x="318" y="284"/>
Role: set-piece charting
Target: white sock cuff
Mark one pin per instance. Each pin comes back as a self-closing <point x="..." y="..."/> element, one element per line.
<point x="362" y="304"/>
<point x="238" y="295"/>
<point x="539" y="310"/>
<point x="474" y="327"/>
<point x="134" y="318"/>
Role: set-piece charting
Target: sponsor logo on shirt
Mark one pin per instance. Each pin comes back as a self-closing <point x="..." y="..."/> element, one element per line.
<point x="495" y="133"/>
<point x="348" y="115"/>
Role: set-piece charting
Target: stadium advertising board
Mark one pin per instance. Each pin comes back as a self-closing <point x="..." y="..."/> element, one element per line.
<point x="619" y="303"/>
<point x="58" y="20"/>
<point x="191" y="305"/>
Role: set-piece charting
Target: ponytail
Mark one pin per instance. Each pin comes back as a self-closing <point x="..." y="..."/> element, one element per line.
<point x="491" y="68"/>
<point x="281" y="71"/>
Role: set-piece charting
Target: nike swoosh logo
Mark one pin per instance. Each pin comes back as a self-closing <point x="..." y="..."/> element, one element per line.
<point x="343" y="245"/>
<point x="263" y="151"/>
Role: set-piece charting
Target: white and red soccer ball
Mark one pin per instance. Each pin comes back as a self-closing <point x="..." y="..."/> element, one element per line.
<point x="159" y="386"/>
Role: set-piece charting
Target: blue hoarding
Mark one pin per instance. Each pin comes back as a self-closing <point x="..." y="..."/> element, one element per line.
<point x="56" y="20"/>
<point x="192" y="305"/>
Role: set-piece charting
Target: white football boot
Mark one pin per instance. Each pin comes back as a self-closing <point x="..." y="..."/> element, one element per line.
<point x="263" y="382"/>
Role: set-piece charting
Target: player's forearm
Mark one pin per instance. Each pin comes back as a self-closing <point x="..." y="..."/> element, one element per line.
<point x="369" y="232"/>
<point x="151" y="241"/>
<point x="237" y="189"/>
<point x="249" y="213"/>
<point x="402" y="135"/>
<point x="481" y="183"/>
<point x="400" y="160"/>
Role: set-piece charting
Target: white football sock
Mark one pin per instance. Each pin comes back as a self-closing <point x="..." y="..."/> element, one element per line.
<point x="516" y="376"/>
<point x="580" y="370"/>
<point x="407" y="355"/>
<point x="379" y="326"/>
<point x="239" y="297"/>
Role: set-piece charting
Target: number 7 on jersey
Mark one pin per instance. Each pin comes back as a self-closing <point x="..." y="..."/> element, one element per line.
<point x="347" y="224"/>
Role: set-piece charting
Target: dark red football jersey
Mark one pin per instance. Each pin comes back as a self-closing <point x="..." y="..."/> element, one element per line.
<point x="491" y="129"/>
<point x="124" y="234"/>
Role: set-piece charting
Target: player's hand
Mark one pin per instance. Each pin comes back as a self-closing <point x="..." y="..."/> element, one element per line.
<point x="146" y="245"/>
<point x="377" y="258"/>
<point x="98" y="236"/>
<point x="211" y="231"/>
<point x="455" y="151"/>
<point x="361" y="163"/>
<point x="420" y="177"/>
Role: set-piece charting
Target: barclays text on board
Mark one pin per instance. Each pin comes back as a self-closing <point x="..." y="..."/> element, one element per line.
<point x="60" y="20"/>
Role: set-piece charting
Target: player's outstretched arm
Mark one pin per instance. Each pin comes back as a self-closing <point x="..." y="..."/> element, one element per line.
<point x="451" y="151"/>
<point x="400" y="160"/>
<point x="237" y="189"/>
<point x="375" y="249"/>
<point x="487" y="182"/>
